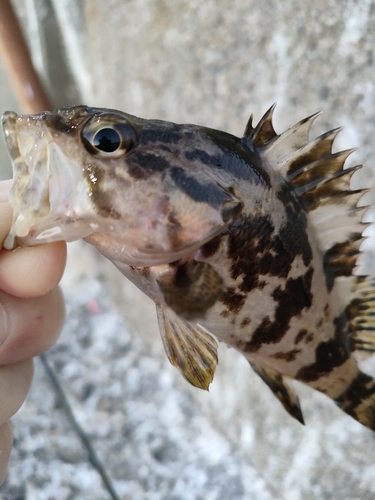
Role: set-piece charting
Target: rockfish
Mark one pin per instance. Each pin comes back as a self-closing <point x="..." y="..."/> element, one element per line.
<point x="251" y="240"/>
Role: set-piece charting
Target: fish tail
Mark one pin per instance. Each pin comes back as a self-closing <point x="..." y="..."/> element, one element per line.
<point x="358" y="400"/>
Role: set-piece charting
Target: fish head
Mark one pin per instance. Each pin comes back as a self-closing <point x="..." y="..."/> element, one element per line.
<point x="120" y="182"/>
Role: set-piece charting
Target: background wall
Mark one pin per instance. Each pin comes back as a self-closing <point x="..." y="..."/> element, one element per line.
<point x="211" y="63"/>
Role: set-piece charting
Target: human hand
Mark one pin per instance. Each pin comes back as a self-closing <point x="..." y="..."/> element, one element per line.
<point x="31" y="317"/>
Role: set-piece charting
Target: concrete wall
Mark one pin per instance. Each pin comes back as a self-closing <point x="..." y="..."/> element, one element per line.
<point x="211" y="63"/>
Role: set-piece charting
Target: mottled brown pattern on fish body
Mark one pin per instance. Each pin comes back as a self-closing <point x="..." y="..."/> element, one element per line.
<point x="300" y="336"/>
<point x="246" y="321"/>
<point x="249" y="241"/>
<point x="309" y="337"/>
<point x="292" y="300"/>
<point x="211" y="247"/>
<point x="203" y="157"/>
<point x="202" y="192"/>
<point x="256" y="249"/>
<point x="294" y="233"/>
<point x="287" y="356"/>
<point x="329" y="354"/>
<point x="232" y="300"/>
<point x="142" y="165"/>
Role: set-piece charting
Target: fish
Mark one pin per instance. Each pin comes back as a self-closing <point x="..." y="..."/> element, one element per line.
<point x="250" y="241"/>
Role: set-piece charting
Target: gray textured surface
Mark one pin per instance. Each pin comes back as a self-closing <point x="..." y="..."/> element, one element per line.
<point x="210" y="63"/>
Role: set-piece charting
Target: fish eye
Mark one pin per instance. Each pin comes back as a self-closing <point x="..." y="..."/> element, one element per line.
<point x="107" y="140"/>
<point x="108" y="136"/>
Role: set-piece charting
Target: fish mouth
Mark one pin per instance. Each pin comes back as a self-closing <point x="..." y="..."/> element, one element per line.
<point x="45" y="184"/>
<point x="27" y="147"/>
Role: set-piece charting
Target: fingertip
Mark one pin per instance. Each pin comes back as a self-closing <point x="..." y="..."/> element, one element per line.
<point x="32" y="271"/>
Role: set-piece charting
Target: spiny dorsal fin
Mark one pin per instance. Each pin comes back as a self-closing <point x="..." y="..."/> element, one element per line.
<point x="282" y="148"/>
<point x="320" y="182"/>
<point x="361" y="315"/>
<point x="313" y="192"/>
<point x="189" y="348"/>
<point x="342" y="257"/>
<point x="314" y="172"/>
<point x="282" y="389"/>
<point x="264" y="132"/>
<point x="302" y="155"/>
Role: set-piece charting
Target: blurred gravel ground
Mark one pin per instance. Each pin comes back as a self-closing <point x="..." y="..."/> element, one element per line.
<point x="210" y="63"/>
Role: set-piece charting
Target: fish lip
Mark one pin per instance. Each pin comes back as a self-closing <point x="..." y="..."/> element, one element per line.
<point x="9" y="124"/>
<point x="14" y="126"/>
<point x="27" y="145"/>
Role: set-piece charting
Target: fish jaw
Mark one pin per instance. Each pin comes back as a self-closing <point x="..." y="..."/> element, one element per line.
<point x="49" y="195"/>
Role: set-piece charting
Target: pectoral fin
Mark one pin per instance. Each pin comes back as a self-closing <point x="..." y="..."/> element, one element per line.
<point x="189" y="348"/>
<point x="192" y="289"/>
<point x="283" y="390"/>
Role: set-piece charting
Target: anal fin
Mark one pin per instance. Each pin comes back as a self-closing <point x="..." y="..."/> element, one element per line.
<point x="282" y="389"/>
<point x="188" y="347"/>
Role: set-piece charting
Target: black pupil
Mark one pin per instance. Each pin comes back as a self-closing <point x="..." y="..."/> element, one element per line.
<point x="107" y="140"/>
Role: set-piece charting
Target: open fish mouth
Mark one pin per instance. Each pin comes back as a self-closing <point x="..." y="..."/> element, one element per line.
<point x="29" y="155"/>
<point x="45" y="184"/>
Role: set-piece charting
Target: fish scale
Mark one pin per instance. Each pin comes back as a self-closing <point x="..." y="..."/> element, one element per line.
<point x="252" y="241"/>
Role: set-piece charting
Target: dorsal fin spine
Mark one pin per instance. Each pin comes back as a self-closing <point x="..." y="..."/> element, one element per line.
<point x="331" y="164"/>
<point x="322" y="145"/>
<point x="264" y="132"/>
<point x="249" y="126"/>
